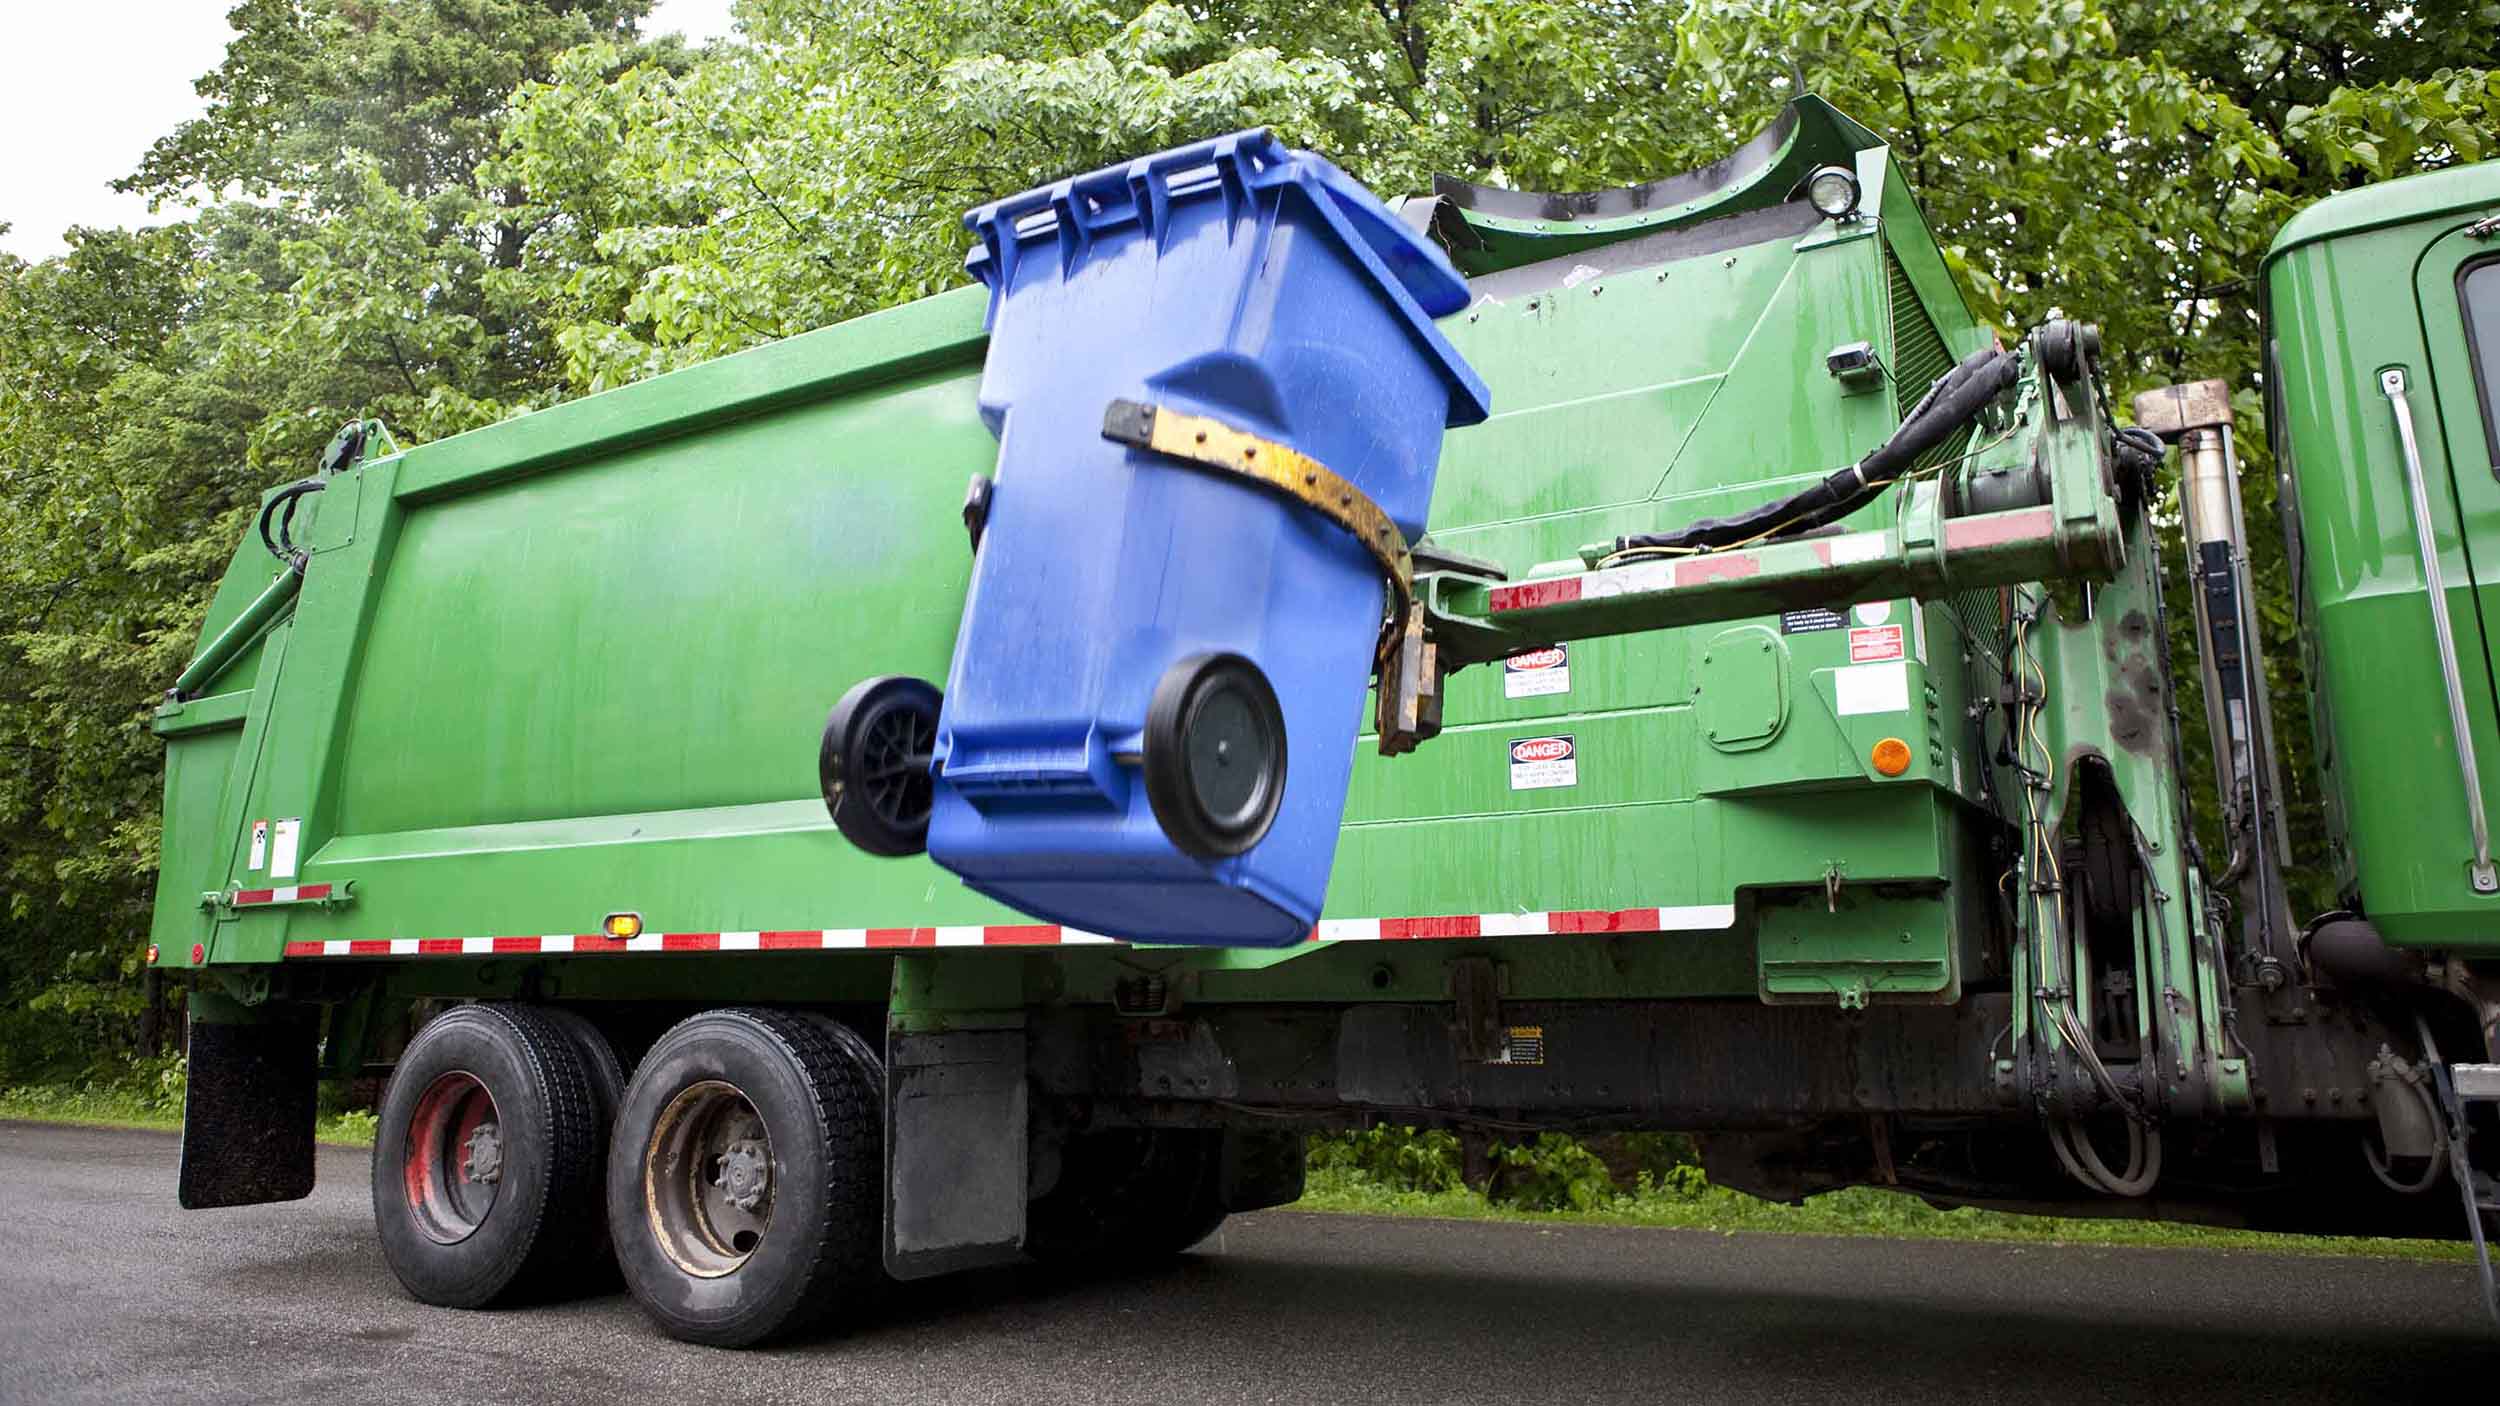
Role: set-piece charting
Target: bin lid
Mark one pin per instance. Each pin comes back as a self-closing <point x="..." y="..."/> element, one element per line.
<point x="1420" y="267"/>
<point x="1242" y="166"/>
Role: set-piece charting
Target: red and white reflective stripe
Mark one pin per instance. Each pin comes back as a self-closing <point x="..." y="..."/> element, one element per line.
<point x="1559" y="923"/>
<point x="1847" y="549"/>
<point x="292" y="893"/>
<point x="1456" y="925"/>
<point x="1640" y="578"/>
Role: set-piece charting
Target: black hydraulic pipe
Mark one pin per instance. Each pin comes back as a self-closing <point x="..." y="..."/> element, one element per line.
<point x="1951" y="402"/>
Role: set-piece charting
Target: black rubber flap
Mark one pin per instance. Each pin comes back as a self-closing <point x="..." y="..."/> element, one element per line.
<point x="247" y="1118"/>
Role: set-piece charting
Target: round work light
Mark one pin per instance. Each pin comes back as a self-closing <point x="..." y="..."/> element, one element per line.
<point x="1833" y="190"/>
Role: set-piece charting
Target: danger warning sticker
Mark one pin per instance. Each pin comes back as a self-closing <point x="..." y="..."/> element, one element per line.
<point x="1540" y="762"/>
<point x="1537" y="672"/>
<point x="260" y="844"/>
<point x="1521" y="1044"/>
<point x="1874" y="644"/>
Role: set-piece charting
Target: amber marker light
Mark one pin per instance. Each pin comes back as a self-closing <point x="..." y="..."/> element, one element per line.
<point x="1891" y="757"/>
<point x="621" y="925"/>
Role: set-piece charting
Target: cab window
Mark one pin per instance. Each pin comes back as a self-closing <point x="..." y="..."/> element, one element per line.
<point x="2478" y="289"/>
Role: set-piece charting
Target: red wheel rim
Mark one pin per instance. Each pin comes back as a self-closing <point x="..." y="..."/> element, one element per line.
<point x="453" y="1162"/>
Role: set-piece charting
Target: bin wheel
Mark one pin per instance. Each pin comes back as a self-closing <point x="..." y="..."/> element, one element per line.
<point x="746" y="1190"/>
<point x="1215" y="755"/>
<point x="486" y="1169"/>
<point x="874" y="764"/>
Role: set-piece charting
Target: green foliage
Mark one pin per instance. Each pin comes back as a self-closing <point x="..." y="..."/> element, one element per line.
<point x="1397" y="1159"/>
<point x="149" y="1092"/>
<point x="154" y="382"/>
<point x="1553" y="1173"/>
<point x="1550" y="1172"/>
<point x="459" y="210"/>
<point x="1681" y="1197"/>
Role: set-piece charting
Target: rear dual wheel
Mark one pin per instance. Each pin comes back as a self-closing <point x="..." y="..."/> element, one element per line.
<point x="745" y="1189"/>
<point x="488" y="1164"/>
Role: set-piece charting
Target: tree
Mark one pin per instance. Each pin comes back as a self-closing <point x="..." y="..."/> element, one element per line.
<point x="821" y="170"/>
<point x="153" y="383"/>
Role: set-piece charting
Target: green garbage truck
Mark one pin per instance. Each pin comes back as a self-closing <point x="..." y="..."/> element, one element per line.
<point x="1837" y="815"/>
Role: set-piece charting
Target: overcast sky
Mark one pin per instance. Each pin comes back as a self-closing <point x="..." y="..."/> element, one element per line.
<point x="85" y="85"/>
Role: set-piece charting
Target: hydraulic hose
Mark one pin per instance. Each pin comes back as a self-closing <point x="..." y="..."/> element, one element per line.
<point x="1952" y="401"/>
<point x="2074" y="1149"/>
<point x="279" y="512"/>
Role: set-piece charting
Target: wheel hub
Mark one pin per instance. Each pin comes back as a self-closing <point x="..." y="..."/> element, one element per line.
<point x="485" y="1159"/>
<point x="745" y="1173"/>
<point x="452" y="1158"/>
<point x="707" y="1179"/>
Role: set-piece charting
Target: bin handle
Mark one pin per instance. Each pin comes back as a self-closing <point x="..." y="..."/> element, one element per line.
<point x="1208" y="443"/>
<point x="1082" y="204"/>
<point x="1405" y="659"/>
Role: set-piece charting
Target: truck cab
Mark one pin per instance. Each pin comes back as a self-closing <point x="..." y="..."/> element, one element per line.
<point x="2383" y="388"/>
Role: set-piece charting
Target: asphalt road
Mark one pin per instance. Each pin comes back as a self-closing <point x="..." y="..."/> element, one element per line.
<point x="109" y="1293"/>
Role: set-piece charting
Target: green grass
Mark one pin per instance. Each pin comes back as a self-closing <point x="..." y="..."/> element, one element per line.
<point x="1858" y="1211"/>
<point x="132" y="1106"/>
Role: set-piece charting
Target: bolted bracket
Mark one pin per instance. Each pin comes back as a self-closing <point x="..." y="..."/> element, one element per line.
<point x="1476" y="1017"/>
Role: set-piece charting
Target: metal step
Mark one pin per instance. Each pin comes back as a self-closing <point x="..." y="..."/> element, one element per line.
<point x="2457" y="1085"/>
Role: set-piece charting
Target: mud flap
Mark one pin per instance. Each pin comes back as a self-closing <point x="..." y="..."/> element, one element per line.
<point x="1259" y="1170"/>
<point x="247" y="1115"/>
<point x="955" y="1150"/>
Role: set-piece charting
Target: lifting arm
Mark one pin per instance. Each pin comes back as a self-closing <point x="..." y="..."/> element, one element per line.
<point x="2049" y="464"/>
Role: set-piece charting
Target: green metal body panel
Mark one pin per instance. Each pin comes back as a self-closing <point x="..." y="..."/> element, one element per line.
<point x="2362" y="283"/>
<point x="577" y="663"/>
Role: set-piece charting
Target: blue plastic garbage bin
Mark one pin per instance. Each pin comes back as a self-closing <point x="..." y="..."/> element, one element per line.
<point x="1124" y="604"/>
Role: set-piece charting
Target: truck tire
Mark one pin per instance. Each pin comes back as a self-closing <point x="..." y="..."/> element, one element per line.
<point x="746" y="1192"/>
<point x="606" y="1073"/>
<point x="1126" y="1198"/>
<point x="486" y="1167"/>
<point x="600" y="1062"/>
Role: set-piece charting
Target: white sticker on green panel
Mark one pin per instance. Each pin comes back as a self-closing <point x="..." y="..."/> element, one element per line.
<point x="1871" y="688"/>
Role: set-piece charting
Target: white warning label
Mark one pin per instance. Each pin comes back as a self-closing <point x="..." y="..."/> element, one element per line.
<point x="1871" y="688"/>
<point x="282" y="849"/>
<point x="1537" y="673"/>
<point x="260" y="844"/>
<point x="1537" y="763"/>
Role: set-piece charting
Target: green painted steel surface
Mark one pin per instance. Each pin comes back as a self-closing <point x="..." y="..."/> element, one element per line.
<point x="2409" y="200"/>
<point x="2360" y="284"/>
<point x="578" y="662"/>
